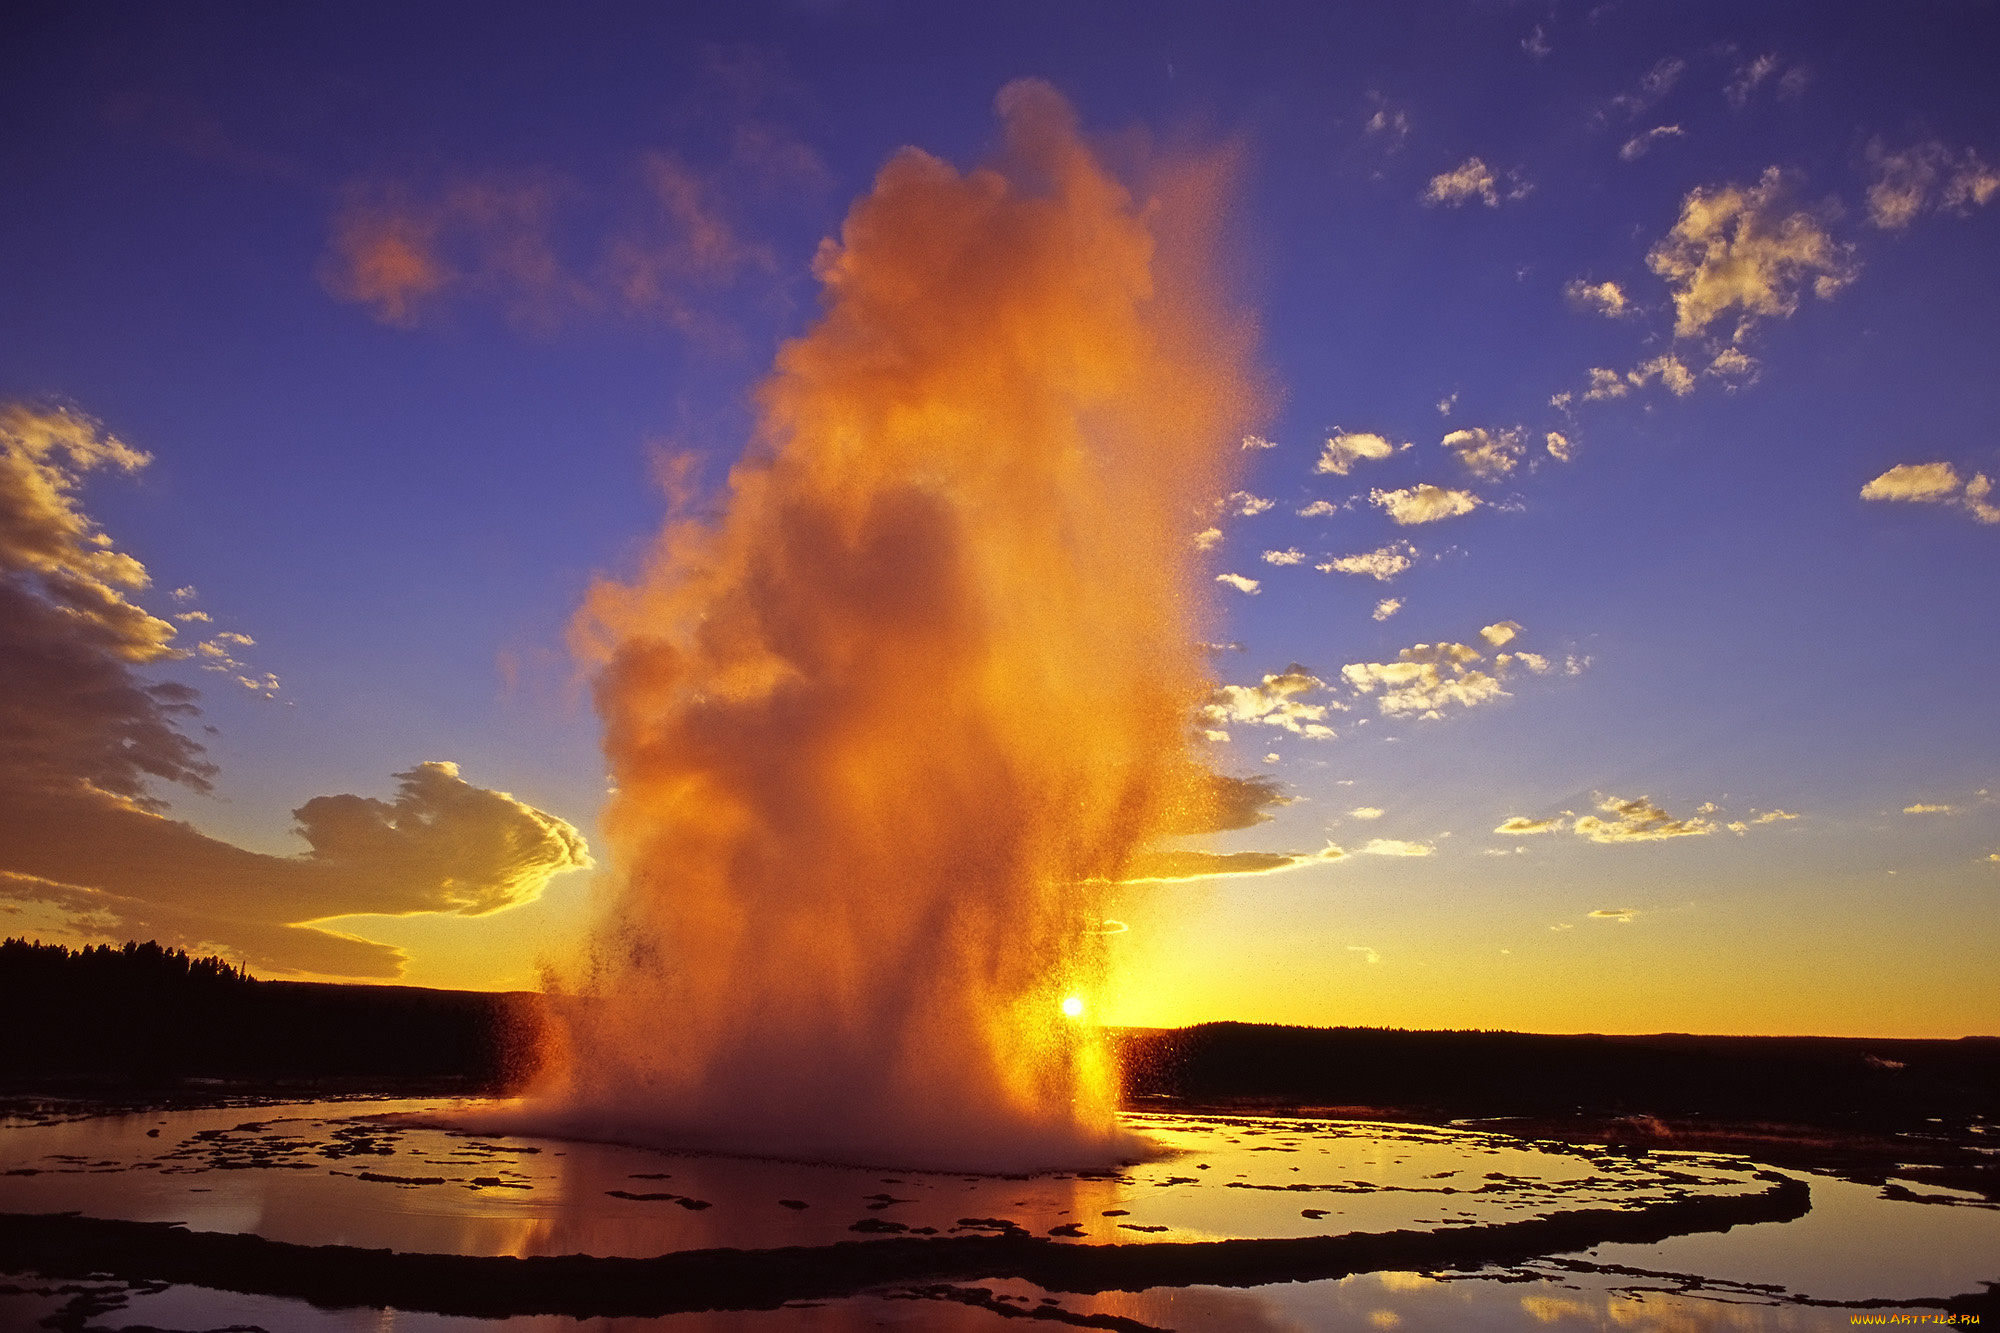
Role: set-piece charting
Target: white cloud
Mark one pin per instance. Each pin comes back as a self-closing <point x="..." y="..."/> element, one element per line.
<point x="1424" y="503"/>
<point x="1669" y="369"/>
<point x="1245" y="505"/>
<point x="1559" y="446"/>
<point x="1922" y="177"/>
<point x="1639" y="145"/>
<point x="1470" y="179"/>
<point x="1240" y="583"/>
<point x="1605" y="383"/>
<point x="1913" y="481"/>
<point x="1522" y="826"/>
<point x="1396" y="847"/>
<point x="1278" y="700"/>
<point x="1346" y="448"/>
<point x="1287" y="557"/>
<point x="1600" y="298"/>
<point x="1319" y="509"/>
<point x="1207" y="539"/>
<point x="1387" y="607"/>
<point x="1501" y="634"/>
<point x="1936" y="483"/>
<point x="1620" y="914"/>
<point x="1366" y="812"/>
<point x="1638" y="820"/>
<point x="1733" y="367"/>
<point x="1381" y="564"/>
<point x="1368" y="955"/>
<point x="1428" y="678"/>
<point x="1258" y="442"/>
<point x="1748" y="250"/>
<point x="1921" y="809"/>
<point x="1488" y="454"/>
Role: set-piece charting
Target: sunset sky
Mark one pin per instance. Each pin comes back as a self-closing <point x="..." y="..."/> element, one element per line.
<point x="1610" y="586"/>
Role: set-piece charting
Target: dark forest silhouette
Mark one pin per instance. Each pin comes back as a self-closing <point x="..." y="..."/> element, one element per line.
<point x="144" y="1014"/>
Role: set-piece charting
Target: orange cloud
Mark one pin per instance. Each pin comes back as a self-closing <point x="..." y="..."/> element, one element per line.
<point x="387" y="261"/>
<point x="519" y="241"/>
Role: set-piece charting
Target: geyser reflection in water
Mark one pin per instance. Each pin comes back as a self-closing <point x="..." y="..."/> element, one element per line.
<point x="884" y="730"/>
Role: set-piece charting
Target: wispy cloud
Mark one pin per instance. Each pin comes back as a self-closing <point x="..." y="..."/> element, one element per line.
<point x="1639" y="145"/>
<point x="1653" y="86"/>
<point x="1240" y="582"/>
<point x="1923" y="177"/>
<point x="1387" y="125"/>
<point x="1291" y="556"/>
<point x="1755" y="73"/>
<point x="1180" y="867"/>
<point x="524" y="241"/>
<point x="1387" y="607"/>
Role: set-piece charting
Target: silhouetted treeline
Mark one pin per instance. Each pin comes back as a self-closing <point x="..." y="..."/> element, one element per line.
<point x="107" y="964"/>
<point x="143" y="1014"/>
<point x="1808" y="1079"/>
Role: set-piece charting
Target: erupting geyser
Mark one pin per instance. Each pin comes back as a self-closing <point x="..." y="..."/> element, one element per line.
<point x="885" y="730"/>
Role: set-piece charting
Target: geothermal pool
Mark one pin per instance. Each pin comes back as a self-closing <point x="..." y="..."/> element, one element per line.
<point x="1241" y="1223"/>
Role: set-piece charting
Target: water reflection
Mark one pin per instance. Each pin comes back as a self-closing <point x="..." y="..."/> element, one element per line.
<point x="368" y="1175"/>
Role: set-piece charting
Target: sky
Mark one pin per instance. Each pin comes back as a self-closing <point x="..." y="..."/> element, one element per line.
<point x="1606" y="590"/>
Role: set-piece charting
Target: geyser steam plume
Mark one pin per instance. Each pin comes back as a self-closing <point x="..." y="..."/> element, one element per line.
<point x="884" y="731"/>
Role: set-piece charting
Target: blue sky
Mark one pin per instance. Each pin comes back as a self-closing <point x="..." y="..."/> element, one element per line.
<point x="398" y="469"/>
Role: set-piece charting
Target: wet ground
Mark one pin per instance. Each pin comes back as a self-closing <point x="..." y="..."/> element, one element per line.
<point x="1248" y="1223"/>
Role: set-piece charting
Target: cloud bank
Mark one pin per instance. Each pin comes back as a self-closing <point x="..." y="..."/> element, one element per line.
<point x="84" y="737"/>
